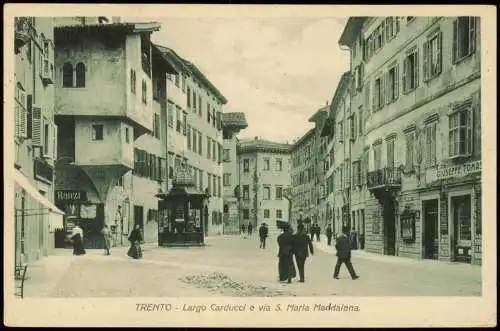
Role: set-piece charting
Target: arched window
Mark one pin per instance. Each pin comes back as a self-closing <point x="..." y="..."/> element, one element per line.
<point x="80" y="75"/>
<point x="67" y="75"/>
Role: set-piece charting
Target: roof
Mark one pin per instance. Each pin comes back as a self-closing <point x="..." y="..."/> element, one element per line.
<point x="263" y="146"/>
<point x="318" y="115"/>
<point x="304" y="138"/>
<point x="189" y="67"/>
<point x="351" y="30"/>
<point x="167" y="63"/>
<point x="236" y="119"/>
<point x="344" y="80"/>
<point x="121" y="27"/>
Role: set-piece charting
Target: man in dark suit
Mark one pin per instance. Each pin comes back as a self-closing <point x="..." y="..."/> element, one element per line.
<point x="301" y="246"/>
<point x="263" y="232"/>
<point x="343" y="247"/>
<point x="329" y="234"/>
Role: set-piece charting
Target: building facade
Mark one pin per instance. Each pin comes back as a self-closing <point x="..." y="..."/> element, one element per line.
<point x="420" y="92"/>
<point x="35" y="139"/>
<point x="302" y="176"/>
<point x="104" y="105"/>
<point x="194" y="134"/>
<point x="232" y="124"/>
<point x="264" y="175"/>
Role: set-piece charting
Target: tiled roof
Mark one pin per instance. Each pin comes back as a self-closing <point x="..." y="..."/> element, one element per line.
<point x="126" y="27"/>
<point x="236" y="119"/>
<point x="304" y="138"/>
<point x="260" y="145"/>
<point x="191" y="68"/>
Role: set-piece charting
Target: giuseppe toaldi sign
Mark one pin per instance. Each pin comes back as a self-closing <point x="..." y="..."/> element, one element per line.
<point x="459" y="170"/>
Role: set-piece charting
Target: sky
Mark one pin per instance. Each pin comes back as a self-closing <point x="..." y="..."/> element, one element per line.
<point x="278" y="71"/>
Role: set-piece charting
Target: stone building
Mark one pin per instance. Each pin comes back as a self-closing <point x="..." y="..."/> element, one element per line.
<point x="107" y="111"/>
<point x="232" y="124"/>
<point x="302" y="176"/>
<point x="420" y="91"/>
<point x="194" y="135"/>
<point x="36" y="218"/>
<point x="264" y="168"/>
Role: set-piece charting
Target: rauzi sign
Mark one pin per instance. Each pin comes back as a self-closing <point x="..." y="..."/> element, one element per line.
<point x="459" y="170"/>
<point x="71" y="195"/>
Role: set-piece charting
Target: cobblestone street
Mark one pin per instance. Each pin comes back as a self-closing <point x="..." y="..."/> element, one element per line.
<point x="232" y="266"/>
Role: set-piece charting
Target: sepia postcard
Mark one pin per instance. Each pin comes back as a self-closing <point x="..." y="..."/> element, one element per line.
<point x="249" y="165"/>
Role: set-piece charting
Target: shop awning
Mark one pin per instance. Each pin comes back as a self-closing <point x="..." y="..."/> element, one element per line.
<point x="56" y="215"/>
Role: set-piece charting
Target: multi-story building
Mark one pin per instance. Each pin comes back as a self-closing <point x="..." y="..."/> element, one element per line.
<point x="195" y="133"/>
<point x="108" y="121"/>
<point x="319" y="188"/>
<point x="35" y="139"/>
<point x="421" y="98"/>
<point x="302" y="176"/>
<point x="264" y="175"/>
<point x="232" y="124"/>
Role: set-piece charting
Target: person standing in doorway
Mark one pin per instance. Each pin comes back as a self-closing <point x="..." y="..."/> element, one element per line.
<point x="302" y="244"/>
<point x="250" y="227"/>
<point x="106" y="234"/>
<point x="263" y="233"/>
<point x="329" y="234"/>
<point x="343" y="247"/>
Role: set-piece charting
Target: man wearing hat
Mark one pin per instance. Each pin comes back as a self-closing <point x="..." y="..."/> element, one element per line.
<point x="263" y="233"/>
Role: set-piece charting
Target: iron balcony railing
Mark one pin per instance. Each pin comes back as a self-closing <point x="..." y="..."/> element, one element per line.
<point x="384" y="177"/>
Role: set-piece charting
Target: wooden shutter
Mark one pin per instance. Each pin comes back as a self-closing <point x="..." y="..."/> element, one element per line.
<point x="367" y="97"/>
<point x="54" y="141"/>
<point x="426" y="60"/>
<point x="374" y="93"/>
<point x="455" y="41"/>
<point x="403" y="76"/>
<point x="470" y="122"/>
<point x="37" y="126"/>
<point x="396" y="81"/>
<point x="417" y="69"/>
<point x="440" y="51"/>
<point x="29" y="116"/>
<point x="472" y="34"/>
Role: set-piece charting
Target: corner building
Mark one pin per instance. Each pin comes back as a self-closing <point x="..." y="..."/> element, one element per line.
<point x="421" y="87"/>
<point x="264" y="175"/>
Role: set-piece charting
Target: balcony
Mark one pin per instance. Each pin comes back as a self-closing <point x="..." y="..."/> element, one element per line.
<point x="23" y="31"/>
<point x="47" y="72"/>
<point x="385" y="178"/>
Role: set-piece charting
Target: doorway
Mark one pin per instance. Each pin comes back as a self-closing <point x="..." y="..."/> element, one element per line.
<point x="389" y="228"/>
<point x="430" y="221"/>
<point x="462" y="228"/>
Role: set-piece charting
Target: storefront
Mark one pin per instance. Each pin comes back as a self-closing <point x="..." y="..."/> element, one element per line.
<point x="458" y="210"/>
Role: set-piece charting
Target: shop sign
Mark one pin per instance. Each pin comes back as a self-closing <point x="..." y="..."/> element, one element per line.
<point x="459" y="170"/>
<point x="71" y="195"/>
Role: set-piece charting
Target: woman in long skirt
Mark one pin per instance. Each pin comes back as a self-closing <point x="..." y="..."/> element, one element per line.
<point x="135" y="238"/>
<point x="77" y="238"/>
<point x="286" y="268"/>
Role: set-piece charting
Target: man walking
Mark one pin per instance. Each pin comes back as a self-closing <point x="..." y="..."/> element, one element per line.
<point x="263" y="232"/>
<point x="343" y="247"/>
<point x="250" y="229"/>
<point x="302" y="244"/>
<point x="318" y="232"/>
<point x="329" y="234"/>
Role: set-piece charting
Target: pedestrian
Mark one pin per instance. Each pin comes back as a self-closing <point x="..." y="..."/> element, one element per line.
<point x="343" y="247"/>
<point x="250" y="229"/>
<point x="353" y="237"/>
<point x="329" y="234"/>
<point x="312" y="229"/>
<point x="302" y="244"/>
<point x="135" y="238"/>
<point x="106" y="234"/>
<point x="263" y="232"/>
<point x="286" y="268"/>
<point x="77" y="239"/>
<point x="318" y="232"/>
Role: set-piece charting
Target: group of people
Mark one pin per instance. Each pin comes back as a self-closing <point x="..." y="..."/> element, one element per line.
<point x="246" y="229"/>
<point x="299" y="245"/>
<point x="315" y="231"/>
<point x="135" y="238"/>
